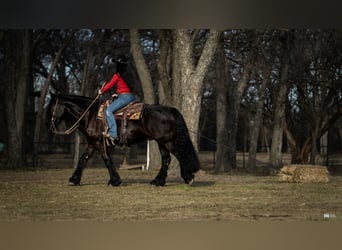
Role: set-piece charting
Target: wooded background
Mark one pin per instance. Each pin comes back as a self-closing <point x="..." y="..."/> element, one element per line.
<point x="271" y="90"/>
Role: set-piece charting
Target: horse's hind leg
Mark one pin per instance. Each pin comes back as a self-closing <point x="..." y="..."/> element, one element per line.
<point x="114" y="179"/>
<point x="160" y="179"/>
<point x="75" y="179"/>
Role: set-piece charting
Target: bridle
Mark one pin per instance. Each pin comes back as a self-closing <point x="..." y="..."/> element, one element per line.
<point x="53" y="126"/>
<point x="74" y="126"/>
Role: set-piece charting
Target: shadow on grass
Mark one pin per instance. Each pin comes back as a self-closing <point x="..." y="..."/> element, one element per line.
<point x="129" y="182"/>
<point x="203" y="184"/>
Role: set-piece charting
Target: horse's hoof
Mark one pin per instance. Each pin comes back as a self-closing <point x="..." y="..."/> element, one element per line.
<point x="74" y="182"/>
<point x="191" y="182"/>
<point x="157" y="183"/>
<point x="115" y="183"/>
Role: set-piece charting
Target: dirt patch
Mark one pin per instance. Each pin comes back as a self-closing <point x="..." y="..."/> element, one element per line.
<point x="44" y="195"/>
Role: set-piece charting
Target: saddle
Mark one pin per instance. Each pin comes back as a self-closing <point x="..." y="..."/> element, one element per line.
<point x="132" y="111"/>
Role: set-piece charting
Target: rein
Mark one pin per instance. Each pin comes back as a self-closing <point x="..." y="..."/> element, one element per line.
<point x="74" y="126"/>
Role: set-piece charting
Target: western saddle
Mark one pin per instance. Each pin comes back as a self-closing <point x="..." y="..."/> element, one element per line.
<point x="132" y="111"/>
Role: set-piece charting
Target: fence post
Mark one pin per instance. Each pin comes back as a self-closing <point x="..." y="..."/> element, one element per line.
<point x="244" y="152"/>
<point x="148" y="155"/>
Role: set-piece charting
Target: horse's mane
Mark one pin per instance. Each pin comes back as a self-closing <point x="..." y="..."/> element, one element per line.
<point x="81" y="101"/>
<point x="77" y="101"/>
<point x="76" y="98"/>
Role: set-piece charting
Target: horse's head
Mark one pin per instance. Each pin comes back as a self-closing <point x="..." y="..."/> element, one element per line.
<point x="68" y="108"/>
<point x="55" y="112"/>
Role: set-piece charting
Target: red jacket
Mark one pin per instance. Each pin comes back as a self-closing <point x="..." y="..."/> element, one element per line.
<point x="122" y="87"/>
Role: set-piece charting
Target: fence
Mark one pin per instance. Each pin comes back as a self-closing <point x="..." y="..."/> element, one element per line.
<point x="207" y="154"/>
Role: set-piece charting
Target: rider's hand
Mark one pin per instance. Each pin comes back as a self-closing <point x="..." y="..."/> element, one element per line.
<point x="100" y="92"/>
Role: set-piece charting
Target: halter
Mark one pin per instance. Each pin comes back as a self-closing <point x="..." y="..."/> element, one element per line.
<point x="74" y="126"/>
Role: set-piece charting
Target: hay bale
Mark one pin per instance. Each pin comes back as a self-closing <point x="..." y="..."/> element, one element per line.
<point x="286" y="173"/>
<point x="304" y="174"/>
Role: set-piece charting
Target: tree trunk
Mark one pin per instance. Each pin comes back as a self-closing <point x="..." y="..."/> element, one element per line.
<point x="164" y="62"/>
<point x="148" y="90"/>
<point x="314" y="138"/>
<point x="264" y="142"/>
<point x="192" y="76"/>
<point x="324" y="145"/>
<point x="144" y="74"/>
<point x="221" y="156"/>
<point x="294" y="148"/>
<point x="18" y="46"/>
<point x="236" y="91"/>
<point x="256" y="121"/>
<point x="177" y="98"/>
<point x="279" y="119"/>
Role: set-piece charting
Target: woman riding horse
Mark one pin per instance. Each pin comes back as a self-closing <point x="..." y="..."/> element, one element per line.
<point x="163" y="124"/>
<point x="124" y="97"/>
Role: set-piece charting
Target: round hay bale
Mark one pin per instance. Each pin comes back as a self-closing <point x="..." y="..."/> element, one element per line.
<point x="304" y="174"/>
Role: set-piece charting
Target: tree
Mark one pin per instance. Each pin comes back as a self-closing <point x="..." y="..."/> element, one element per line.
<point x="256" y="119"/>
<point x="147" y="87"/>
<point x="236" y="89"/>
<point x="17" y="65"/>
<point x="314" y="103"/>
<point x="44" y="91"/>
<point x="292" y="77"/>
<point x="180" y="74"/>
<point x="189" y="75"/>
<point x="145" y="77"/>
<point x="221" y="156"/>
<point x="279" y="99"/>
<point x="164" y="67"/>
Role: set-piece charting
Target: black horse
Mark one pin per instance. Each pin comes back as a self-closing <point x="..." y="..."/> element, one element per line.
<point x="161" y="123"/>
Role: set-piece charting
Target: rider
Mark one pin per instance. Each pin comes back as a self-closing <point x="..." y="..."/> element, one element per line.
<point x="125" y="96"/>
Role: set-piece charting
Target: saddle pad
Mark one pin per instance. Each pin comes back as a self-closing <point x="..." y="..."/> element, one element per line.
<point x="133" y="111"/>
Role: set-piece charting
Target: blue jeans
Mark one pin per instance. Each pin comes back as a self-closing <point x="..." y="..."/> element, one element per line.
<point x="121" y="101"/>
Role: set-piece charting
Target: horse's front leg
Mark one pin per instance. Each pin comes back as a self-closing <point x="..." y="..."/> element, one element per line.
<point x="114" y="177"/>
<point x="160" y="179"/>
<point x="75" y="179"/>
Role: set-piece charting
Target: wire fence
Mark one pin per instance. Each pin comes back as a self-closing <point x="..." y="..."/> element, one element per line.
<point x="207" y="153"/>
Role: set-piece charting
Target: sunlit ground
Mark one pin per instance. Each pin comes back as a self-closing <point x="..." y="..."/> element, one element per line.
<point x="45" y="195"/>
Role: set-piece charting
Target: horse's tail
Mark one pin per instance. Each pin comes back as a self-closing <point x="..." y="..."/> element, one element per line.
<point x="184" y="148"/>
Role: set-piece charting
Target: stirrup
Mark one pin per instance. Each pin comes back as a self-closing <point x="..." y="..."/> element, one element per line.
<point x="106" y="135"/>
<point x="110" y="140"/>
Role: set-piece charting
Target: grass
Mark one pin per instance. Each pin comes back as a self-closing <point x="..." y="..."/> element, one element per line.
<point x="44" y="195"/>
